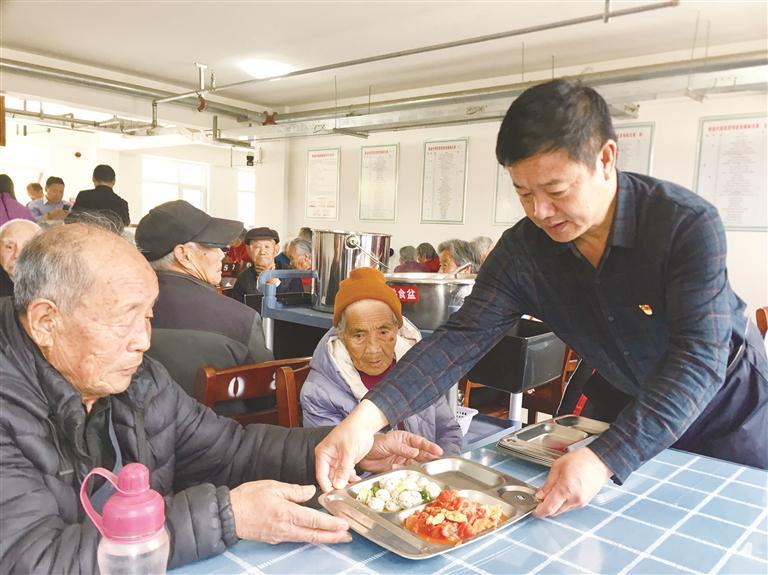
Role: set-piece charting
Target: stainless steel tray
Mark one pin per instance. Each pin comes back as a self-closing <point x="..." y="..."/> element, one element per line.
<point x="545" y="442"/>
<point x="470" y="479"/>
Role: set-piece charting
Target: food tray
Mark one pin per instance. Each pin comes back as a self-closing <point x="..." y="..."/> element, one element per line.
<point x="546" y="441"/>
<point x="468" y="478"/>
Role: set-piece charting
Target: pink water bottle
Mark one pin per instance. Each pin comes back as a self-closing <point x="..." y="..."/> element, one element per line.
<point x="134" y="539"/>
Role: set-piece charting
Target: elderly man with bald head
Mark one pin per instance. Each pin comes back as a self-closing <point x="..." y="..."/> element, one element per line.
<point x="78" y="392"/>
<point x="14" y="235"/>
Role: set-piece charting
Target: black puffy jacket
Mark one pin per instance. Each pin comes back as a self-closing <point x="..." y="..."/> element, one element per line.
<point x="194" y="457"/>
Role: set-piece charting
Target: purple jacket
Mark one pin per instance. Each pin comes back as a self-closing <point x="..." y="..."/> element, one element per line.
<point x="10" y="209"/>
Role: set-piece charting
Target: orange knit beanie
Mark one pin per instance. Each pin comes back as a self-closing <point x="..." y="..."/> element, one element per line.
<point x="365" y="283"/>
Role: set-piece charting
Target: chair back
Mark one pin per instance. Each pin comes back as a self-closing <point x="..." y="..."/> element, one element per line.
<point x="242" y="383"/>
<point x="762" y="320"/>
<point x="288" y="383"/>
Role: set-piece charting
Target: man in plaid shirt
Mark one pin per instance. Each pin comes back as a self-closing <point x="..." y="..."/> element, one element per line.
<point x="629" y="271"/>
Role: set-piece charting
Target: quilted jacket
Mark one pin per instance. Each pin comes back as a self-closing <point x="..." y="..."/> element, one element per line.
<point x="194" y="457"/>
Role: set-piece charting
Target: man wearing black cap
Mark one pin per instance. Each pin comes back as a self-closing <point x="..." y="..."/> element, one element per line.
<point x="262" y="245"/>
<point x="193" y="326"/>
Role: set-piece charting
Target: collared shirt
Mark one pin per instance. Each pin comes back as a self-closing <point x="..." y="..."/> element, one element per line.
<point x="41" y="207"/>
<point x="657" y="317"/>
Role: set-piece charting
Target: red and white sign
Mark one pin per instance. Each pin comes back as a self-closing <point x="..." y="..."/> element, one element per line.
<point x="406" y="293"/>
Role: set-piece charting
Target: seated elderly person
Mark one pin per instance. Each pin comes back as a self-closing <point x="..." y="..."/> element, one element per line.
<point x="458" y="255"/>
<point x="299" y="252"/>
<point x="77" y="392"/>
<point x="369" y="336"/>
<point x="193" y="326"/>
<point x="262" y="245"/>
<point x="14" y="235"/>
<point x="482" y="246"/>
<point x="408" y="261"/>
<point x="427" y="257"/>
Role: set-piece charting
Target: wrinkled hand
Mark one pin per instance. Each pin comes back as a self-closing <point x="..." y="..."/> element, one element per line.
<point x="268" y="511"/>
<point x="573" y="481"/>
<point x="346" y="444"/>
<point x="398" y="448"/>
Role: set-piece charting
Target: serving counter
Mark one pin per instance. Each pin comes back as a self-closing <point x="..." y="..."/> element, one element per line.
<point x="679" y="513"/>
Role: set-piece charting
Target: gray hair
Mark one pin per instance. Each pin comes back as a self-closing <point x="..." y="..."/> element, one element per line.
<point x="306" y="234"/>
<point x="17" y="222"/>
<point x="54" y="266"/>
<point x="462" y="253"/>
<point x="426" y="250"/>
<point x="167" y="263"/>
<point x="482" y="243"/>
<point x="106" y="219"/>
<point x="302" y="247"/>
<point x="342" y="327"/>
<point x="408" y="253"/>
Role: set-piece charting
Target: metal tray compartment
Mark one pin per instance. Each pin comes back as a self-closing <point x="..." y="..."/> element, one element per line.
<point x="468" y="478"/>
<point x="546" y="441"/>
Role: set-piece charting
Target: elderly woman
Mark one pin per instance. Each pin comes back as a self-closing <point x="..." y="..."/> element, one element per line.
<point x="369" y="336"/>
<point x="456" y="254"/>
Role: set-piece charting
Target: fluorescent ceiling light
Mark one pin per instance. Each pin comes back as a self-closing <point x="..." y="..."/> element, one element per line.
<point x="266" y="68"/>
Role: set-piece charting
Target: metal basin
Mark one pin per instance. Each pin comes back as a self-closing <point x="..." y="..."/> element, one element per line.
<point x="434" y="297"/>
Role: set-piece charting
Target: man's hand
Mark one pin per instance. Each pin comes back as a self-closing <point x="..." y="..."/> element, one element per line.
<point x="398" y="448"/>
<point x="573" y="481"/>
<point x="348" y="443"/>
<point x="268" y="511"/>
<point x="57" y="214"/>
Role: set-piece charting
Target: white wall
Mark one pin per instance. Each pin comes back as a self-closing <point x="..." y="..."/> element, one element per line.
<point x="676" y="129"/>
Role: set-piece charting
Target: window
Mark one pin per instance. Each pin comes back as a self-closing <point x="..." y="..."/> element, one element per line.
<point x="164" y="180"/>
<point x="246" y="197"/>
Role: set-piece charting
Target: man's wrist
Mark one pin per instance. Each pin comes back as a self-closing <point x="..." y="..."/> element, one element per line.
<point x="370" y="416"/>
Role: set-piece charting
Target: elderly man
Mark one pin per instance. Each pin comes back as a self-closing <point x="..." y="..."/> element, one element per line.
<point x="77" y="393"/>
<point x="14" y="235"/>
<point x="193" y="325"/>
<point x="628" y="270"/>
<point x="52" y="207"/>
<point x="369" y="336"/>
<point x="457" y="255"/>
<point x="262" y="244"/>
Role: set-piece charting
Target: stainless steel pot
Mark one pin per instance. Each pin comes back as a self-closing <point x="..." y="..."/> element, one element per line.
<point x="439" y="295"/>
<point x="336" y="253"/>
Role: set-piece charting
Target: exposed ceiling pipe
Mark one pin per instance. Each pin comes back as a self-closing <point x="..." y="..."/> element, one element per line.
<point x="700" y="65"/>
<point x="45" y="72"/>
<point x="434" y="47"/>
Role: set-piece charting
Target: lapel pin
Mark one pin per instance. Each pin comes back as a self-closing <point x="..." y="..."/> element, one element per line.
<point x="646" y="309"/>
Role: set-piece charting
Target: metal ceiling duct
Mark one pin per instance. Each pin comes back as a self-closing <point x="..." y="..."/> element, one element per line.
<point x="621" y="88"/>
<point x="124" y="88"/>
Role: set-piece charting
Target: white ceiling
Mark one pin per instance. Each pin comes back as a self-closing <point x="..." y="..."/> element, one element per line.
<point x="162" y="40"/>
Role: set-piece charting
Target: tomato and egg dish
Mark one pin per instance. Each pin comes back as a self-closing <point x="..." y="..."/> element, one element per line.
<point x="450" y="519"/>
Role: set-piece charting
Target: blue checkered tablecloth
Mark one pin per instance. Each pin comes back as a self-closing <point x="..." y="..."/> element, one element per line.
<point x="679" y="513"/>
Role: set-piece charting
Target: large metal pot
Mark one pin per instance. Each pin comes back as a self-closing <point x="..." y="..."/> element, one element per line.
<point x="429" y="299"/>
<point x="336" y="253"/>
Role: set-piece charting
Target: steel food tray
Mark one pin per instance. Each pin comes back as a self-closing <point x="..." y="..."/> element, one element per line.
<point x="545" y="442"/>
<point x="468" y="478"/>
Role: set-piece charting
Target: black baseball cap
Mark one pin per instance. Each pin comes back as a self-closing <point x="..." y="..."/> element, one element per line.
<point x="262" y="234"/>
<point x="179" y="222"/>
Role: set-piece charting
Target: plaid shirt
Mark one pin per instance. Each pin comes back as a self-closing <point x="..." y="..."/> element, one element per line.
<point x="666" y="255"/>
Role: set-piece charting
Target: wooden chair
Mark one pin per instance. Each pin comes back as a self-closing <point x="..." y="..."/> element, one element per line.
<point x="241" y="383"/>
<point x="288" y="382"/>
<point x="762" y="320"/>
<point x="546" y="398"/>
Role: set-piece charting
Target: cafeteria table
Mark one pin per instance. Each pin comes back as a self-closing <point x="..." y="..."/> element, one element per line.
<point x="679" y="513"/>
